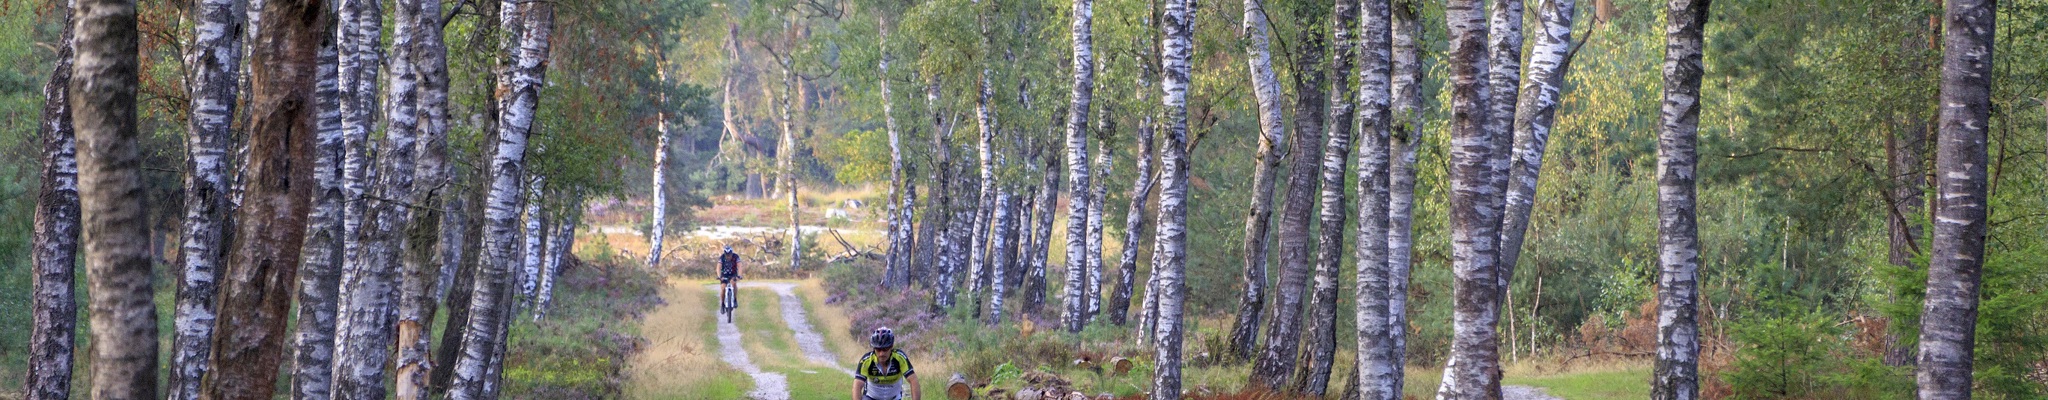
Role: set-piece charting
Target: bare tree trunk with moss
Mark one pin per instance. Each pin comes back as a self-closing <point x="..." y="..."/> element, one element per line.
<point x="1948" y="320"/>
<point x="54" y="307"/>
<point x="1251" y="305"/>
<point x="1320" y="324"/>
<point x="1475" y="224"/>
<point x="215" y="58"/>
<point x="1277" y="358"/>
<point x="1172" y="240"/>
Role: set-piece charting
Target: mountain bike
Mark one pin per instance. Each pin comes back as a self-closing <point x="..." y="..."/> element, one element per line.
<point x="727" y="301"/>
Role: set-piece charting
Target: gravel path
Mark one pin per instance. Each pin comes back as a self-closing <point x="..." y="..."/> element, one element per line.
<point x="807" y="339"/>
<point x="767" y="385"/>
<point x="1518" y="392"/>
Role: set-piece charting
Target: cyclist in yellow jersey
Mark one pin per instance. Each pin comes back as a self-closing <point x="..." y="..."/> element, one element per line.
<point x="883" y="373"/>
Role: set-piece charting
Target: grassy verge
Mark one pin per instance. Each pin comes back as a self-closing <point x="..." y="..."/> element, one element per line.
<point x="579" y="350"/>
<point x="682" y="335"/>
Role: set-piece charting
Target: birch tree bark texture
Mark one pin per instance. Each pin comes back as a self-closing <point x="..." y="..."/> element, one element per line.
<point x="319" y="266"/>
<point x="1277" y="357"/>
<point x="1948" y="320"/>
<point x="526" y="28"/>
<point x="1475" y="215"/>
<point x="115" y="234"/>
<point x="421" y="234"/>
<point x="1676" y="374"/>
<point x="1134" y="228"/>
<point x="55" y="256"/>
<point x="1319" y="334"/>
<point x="1244" y="334"/>
<point x="1172" y="240"/>
<point x="1405" y="124"/>
<point x="1072" y="317"/>
<point x="1374" y="374"/>
<point x="215" y="59"/>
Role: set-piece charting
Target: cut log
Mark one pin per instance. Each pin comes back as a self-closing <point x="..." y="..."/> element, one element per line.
<point x="957" y="388"/>
<point x="1027" y="393"/>
<point x="1119" y="366"/>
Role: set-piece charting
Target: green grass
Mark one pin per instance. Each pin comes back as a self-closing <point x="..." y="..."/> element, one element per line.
<point x="1630" y="383"/>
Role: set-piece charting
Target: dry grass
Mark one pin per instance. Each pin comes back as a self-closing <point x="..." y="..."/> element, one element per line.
<point x="678" y="340"/>
<point x="825" y="318"/>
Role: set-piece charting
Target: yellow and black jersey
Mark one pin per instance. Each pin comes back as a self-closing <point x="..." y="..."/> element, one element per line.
<point x="885" y="370"/>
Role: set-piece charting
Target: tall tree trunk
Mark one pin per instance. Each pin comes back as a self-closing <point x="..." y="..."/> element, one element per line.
<point x="1533" y="118"/>
<point x="530" y="23"/>
<point x="461" y="295"/>
<point x="1406" y="127"/>
<point x="535" y="240"/>
<point x="320" y="266"/>
<point x="364" y="333"/>
<point x="1374" y="374"/>
<point x="257" y="281"/>
<point x="1948" y="321"/>
<point x="1503" y="76"/>
<point x="116" y="233"/>
<point x="786" y="160"/>
<point x="1277" y="357"/>
<point x="659" y="215"/>
<point x="1103" y="166"/>
<point x="942" y="214"/>
<point x="562" y="235"/>
<point x="1244" y="335"/>
<point x="1676" y="375"/>
<point x="1475" y="223"/>
<point x="1905" y="148"/>
<point x="215" y="57"/>
<point x="1320" y="326"/>
<point x="55" y="254"/>
<point x="897" y="204"/>
<point x="1179" y="21"/>
<point x="1134" y="228"/>
<point x="1073" y="316"/>
<point x="985" y="202"/>
<point x="1004" y="222"/>
<point x="426" y="226"/>
<point x="1048" y="195"/>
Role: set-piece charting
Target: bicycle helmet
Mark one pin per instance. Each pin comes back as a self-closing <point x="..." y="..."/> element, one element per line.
<point x="728" y="248"/>
<point x="882" y="338"/>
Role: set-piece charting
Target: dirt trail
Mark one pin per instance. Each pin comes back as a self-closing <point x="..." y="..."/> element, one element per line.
<point x="807" y="339"/>
<point x="767" y="385"/>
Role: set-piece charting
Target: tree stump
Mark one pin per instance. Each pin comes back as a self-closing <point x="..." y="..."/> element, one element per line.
<point x="1120" y="366"/>
<point x="957" y="388"/>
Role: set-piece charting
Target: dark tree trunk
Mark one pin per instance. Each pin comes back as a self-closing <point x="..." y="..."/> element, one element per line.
<point x="55" y="254"/>
<point x="257" y="283"/>
<point x="1277" y="357"/>
<point x="1319" y="329"/>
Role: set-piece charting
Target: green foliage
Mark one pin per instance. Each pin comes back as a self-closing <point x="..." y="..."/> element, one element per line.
<point x="2012" y="318"/>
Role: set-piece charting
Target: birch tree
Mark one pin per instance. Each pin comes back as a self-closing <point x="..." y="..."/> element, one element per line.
<point x="116" y="234"/>
<point x="1948" y="320"/>
<point x="420" y="21"/>
<point x="985" y="200"/>
<point x="369" y="277"/>
<point x="1244" y="335"/>
<point x="1374" y="374"/>
<point x="1103" y="165"/>
<point x="1072" y="317"/>
<point x="1172" y="240"/>
<point x="525" y="29"/>
<point x="898" y="202"/>
<point x="1475" y="223"/>
<point x="1319" y="334"/>
<point x="319" y="267"/>
<point x="1134" y="226"/>
<point x="942" y="214"/>
<point x="1048" y="193"/>
<point x="215" y="59"/>
<point x="1405" y="124"/>
<point x="54" y="307"/>
<point x="659" y="215"/>
<point x="1676" y="375"/>
<point x="1004" y="222"/>
<point x="1533" y="118"/>
<point x="1278" y="356"/>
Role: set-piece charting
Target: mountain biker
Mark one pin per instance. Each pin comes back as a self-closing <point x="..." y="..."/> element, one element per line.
<point x="881" y="374"/>
<point x="729" y="270"/>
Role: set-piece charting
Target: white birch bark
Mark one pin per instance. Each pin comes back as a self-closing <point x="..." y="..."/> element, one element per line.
<point x="1475" y="216"/>
<point x="1174" y="161"/>
<point x="1134" y="228"/>
<point x="1676" y="374"/>
<point x="1533" y="117"/>
<point x="1277" y="357"/>
<point x="985" y="202"/>
<point x="562" y="234"/>
<point x="1072" y="316"/>
<point x="369" y="279"/>
<point x="526" y="27"/>
<point x="898" y="204"/>
<point x="426" y="226"/>
<point x="942" y="212"/>
<point x="1004" y="224"/>
<point x="54" y="307"/>
<point x="1405" y="124"/>
<point x="534" y="241"/>
<point x="1048" y="194"/>
<point x="320" y="266"/>
<point x="215" y="59"/>
<point x="1319" y="333"/>
<point x="1103" y="166"/>
<point x="1251" y="306"/>
<point x="1374" y="374"/>
<point x="659" y="215"/>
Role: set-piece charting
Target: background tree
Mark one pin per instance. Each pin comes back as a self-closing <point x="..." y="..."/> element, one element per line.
<point x="1948" y="322"/>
